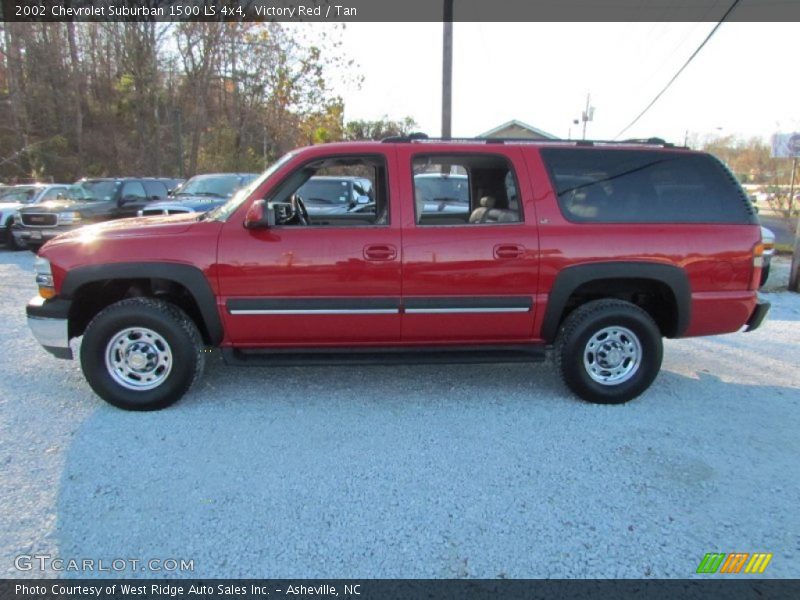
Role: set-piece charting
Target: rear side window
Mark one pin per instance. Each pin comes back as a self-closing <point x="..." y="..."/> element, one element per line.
<point x="634" y="186"/>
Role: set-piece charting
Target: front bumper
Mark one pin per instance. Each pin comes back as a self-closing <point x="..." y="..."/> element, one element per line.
<point x="49" y="322"/>
<point x="27" y="236"/>
<point x="758" y="315"/>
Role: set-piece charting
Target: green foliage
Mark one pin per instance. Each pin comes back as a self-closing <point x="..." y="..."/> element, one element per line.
<point x="377" y="130"/>
<point x="162" y="98"/>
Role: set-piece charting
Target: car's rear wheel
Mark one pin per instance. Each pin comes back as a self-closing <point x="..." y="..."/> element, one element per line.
<point x="609" y="351"/>
<point x="11" y="242"/>
<point x="141" y="354"/>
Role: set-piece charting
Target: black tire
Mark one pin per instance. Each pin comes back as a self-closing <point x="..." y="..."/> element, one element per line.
<point x="764" y="275"/>
<point x="576" y="360"/>
<point x="11" y="243"/>
<point x="172" y="329"/>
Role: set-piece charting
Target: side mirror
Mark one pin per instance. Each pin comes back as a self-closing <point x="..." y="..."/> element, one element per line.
<point x="129" y="199"/>
<point x="363" y="200"/>
<point x="259" y="216"/>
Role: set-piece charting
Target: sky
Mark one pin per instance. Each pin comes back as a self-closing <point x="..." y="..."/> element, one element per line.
<point x="744" y="82"/>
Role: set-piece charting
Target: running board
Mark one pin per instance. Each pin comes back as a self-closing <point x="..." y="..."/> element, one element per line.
<point x="383" y="356"/>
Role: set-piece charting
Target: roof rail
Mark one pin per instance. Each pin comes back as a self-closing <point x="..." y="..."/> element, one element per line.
<point x="421" y="137"/>
<point x="401" y="139"/>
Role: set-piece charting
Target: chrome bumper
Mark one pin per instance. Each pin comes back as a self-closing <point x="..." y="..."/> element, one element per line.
<point x="51" y="332"/>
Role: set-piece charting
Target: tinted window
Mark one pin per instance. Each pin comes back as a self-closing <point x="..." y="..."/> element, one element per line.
<point x="133" y="189"/>
<point x="634" y="186"/>
<point x="155" y="188"/>
<point x="325" y="192"/>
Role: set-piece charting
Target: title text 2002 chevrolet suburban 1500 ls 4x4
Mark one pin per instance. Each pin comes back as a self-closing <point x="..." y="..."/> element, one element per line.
<point x="598" y="250"/>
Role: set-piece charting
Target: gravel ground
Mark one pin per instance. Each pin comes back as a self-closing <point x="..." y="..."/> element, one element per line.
<point x="456" y="471"/>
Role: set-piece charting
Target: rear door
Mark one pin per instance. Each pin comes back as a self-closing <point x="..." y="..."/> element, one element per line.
<point x="468" y="276"/>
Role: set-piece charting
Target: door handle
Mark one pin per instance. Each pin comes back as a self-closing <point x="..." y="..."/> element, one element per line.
<point x="380" y="252"/>
<point x="509" y="251"/>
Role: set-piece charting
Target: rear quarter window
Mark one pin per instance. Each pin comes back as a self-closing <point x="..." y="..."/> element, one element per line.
<point x="635" y="186"/>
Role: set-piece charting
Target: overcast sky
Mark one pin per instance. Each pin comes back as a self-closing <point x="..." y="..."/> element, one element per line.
<point x="743" y="82"/>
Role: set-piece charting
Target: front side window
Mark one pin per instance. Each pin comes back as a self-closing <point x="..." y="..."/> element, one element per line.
<point x="155" y="190"/>
<point x="335" y="191"/>
<point x="465" y="190"/>
<point x="133" y="190"/>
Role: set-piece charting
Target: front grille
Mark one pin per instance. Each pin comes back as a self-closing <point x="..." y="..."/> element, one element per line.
<point x="39" y="219"/>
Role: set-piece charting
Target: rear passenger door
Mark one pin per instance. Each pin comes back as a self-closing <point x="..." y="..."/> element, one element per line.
<point x="469" y="276"/>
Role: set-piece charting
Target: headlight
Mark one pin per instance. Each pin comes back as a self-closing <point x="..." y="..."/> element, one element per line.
<point x="67" y="218"/>
<point x="44" y="277"/>
<point x="17" y="217"/>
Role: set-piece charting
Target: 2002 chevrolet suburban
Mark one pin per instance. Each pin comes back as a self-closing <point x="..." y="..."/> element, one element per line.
<point x="597" y="250"/>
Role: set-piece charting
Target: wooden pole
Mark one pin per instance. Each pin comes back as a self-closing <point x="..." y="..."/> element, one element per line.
<point x="447" y="69"/>
<point x="794" y="272"/>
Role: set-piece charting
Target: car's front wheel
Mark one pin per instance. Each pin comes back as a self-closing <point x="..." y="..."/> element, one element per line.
<point x="11" y="243"/>
<point x="141" y="354"/>
<point x="609" y="351"/>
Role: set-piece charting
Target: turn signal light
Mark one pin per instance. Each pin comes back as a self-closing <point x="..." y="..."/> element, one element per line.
<point x="758" y="263"/>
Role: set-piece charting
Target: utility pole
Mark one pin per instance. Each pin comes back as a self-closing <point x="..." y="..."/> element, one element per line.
<point x="447" y="68"/>
<point x="794" y="271"/>
<point x="588" y="114"/>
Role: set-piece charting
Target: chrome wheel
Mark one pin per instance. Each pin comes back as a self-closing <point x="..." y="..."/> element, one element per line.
<point x="612" y="355"/>
<point x="138" y="359"/>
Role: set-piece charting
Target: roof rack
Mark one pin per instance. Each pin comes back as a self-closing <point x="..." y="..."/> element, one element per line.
<point x="421" y="137"/>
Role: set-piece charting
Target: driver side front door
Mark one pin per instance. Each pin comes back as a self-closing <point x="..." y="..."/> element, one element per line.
<point x="334" y="284"/>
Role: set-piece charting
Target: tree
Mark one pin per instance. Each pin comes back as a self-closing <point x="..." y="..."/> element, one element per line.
<point x="378" y="130"/>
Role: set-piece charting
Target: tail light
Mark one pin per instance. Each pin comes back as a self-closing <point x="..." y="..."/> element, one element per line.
<point x="758" y="263"/>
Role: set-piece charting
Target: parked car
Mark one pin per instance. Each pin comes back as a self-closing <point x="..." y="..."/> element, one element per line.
<point x="199" y="194"/>
<point x="15" y="197"/>
<point x="329" y="196"/>
<point x="768" y="240"/>
<point x="89" y="201"/>
<point x="442" y="193"/>
<point x="593" y="251"/>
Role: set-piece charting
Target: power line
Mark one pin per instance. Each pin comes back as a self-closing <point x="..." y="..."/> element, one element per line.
<point x="686" y="64"/>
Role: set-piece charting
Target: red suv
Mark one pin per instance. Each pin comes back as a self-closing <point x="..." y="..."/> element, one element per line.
<point x="596" y="250"/>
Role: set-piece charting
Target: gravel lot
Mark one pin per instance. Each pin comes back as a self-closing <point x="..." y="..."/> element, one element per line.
<point x="456" y="471"/>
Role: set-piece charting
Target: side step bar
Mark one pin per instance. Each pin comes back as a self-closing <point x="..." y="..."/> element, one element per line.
<point x="383" y="356"/>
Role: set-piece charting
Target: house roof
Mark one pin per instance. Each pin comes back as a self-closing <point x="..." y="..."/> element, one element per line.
<point x="515" y="122"/>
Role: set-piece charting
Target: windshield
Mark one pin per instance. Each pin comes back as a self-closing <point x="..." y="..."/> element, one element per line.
<point x="324" y="191"/>
<point x="443" y="188"/>
<point x="219" y="186"/>
<point x="221" y="213"/>
<point x="97" y="190"/>
<point x="23" y="193"/>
